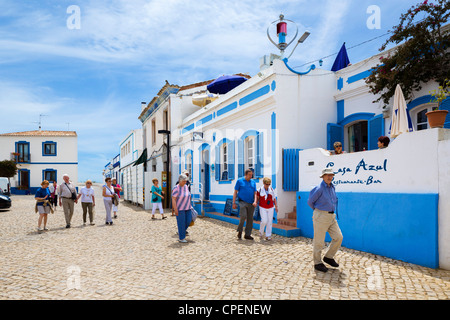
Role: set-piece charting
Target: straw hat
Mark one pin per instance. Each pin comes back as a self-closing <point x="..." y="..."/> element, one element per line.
<point x="327" y="171"/>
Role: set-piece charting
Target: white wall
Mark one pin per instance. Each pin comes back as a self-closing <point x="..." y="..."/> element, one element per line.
<point x="66" y="155"/>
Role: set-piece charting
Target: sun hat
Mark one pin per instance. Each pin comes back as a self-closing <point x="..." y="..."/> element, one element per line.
<point x="327" y="171"/>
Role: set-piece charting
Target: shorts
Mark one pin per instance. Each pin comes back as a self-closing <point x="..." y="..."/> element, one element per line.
<point x="42" y="209"/>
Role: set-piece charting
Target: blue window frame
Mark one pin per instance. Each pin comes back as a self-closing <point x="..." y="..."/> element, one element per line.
<point x="49" y="149"/>
<point x="49" y="175"/>
<point x="258" y="149"/>
<point x="224" y="163"/>
<point x="23" y="150"/>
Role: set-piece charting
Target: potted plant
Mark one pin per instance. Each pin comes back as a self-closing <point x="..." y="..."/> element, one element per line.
<point x="436" y="117"/>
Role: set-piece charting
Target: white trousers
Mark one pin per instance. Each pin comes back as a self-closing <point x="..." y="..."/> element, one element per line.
<point x="159" y="205"/>
<point x="266" y="220"/>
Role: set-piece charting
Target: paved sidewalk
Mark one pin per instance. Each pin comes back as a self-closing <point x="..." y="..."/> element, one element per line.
<point x="140" y="258"/>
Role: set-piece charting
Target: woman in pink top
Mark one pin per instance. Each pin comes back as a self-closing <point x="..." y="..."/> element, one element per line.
<point x="181" y="203"/>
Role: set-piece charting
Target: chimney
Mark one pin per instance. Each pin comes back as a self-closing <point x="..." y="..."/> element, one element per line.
<point x="143" y="106"/>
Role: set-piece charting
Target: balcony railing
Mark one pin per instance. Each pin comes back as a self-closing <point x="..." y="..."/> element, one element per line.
<point x="20" y="157"/>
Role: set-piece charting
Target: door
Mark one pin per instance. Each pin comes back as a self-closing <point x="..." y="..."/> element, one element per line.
<point x="24" y="178"/>
<point x="206" y="177"/>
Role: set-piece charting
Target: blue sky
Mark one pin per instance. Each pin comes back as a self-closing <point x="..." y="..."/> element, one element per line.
<point x="93" y="79"/>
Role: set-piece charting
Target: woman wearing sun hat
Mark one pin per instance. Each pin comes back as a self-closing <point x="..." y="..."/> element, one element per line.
<point x="322" y="199"/>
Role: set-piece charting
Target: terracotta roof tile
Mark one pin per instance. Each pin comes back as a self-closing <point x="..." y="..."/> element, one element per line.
<point x="42" y="133"/>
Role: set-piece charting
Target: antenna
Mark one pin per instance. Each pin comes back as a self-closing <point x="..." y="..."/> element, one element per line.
<point x="68" y="123"/>
<point x="40" y="120"/>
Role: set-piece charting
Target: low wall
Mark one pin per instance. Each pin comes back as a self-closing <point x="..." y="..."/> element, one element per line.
<point x="392" y="202"/>
<point x="401" y="226"/>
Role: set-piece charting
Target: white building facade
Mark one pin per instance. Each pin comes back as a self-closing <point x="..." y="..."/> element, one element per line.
<point x="40" y="155"/>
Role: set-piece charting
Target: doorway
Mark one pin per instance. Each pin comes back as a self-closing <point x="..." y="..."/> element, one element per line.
<point x="357" y="136"/>
<point x="205" y="174"/>
<point x="24" y="179"/>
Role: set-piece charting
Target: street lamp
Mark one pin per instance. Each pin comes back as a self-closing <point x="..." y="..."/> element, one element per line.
<point x="167" y="132"/>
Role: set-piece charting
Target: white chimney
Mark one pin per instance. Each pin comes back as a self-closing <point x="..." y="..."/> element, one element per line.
<point x="143" y="105"/>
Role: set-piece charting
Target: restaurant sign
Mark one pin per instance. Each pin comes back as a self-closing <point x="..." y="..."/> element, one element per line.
<point x="363" y="173"/>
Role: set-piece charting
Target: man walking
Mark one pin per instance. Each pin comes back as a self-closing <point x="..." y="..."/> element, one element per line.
<point x="322" y="199"/>
<point x="245" y="191"/>
<point x="66" y="200"/>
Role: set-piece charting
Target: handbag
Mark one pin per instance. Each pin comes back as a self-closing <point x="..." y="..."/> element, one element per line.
<point x="74" y="194"/>
<point x="194" y="214"/>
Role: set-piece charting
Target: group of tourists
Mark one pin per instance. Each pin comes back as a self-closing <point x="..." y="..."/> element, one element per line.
<point x="322" y="200"/>
<point x="49" y="196"/>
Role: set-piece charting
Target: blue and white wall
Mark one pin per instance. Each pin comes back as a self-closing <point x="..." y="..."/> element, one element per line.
<point x="63" y="159"/>
<point x="392" y="202"/>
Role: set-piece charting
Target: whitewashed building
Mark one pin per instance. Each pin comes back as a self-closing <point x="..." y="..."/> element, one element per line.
<point x="128" y="176"/>
<point x="40" y="155"/>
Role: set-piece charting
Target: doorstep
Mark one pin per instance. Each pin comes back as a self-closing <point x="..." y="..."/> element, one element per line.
<point x="279" y="229"/>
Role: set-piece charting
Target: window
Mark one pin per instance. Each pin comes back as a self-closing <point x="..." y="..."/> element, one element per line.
<point x="189" y="164"/>
<point x="418" y="116"/>
<point x="250" y="152"/>
<point x="224" y="168"/>
<point x="23" y="150"/>
<point x="49" y="148"/>
<point x="357" y="136"/>
<point x="49" y="175"/>
<point x="153" y="132"/>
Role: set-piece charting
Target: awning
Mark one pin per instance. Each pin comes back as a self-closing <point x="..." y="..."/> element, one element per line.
<point x="142" y="158"/>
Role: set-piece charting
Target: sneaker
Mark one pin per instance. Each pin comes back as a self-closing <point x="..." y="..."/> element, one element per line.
<point x="45" y="229"/>
<point x="68" y="226"/>
<point x="92" y="224"/>
<point x="248" y="237"/>
<point x="182" y="241"/>
<point x="268" y="238"/>
<point x="40" y="229"/>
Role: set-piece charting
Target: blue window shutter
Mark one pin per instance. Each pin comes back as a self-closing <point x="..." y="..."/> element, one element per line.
<point x="335" y="133"/>
<point x="290" y="169"/>
<point x="375" y="130"/>
<point x="217" y="163"/>
<point x="259" y="155"/>
<point x="241" y="164"/>
<point x="231" y="160"/>
<point x="445" y="105"/>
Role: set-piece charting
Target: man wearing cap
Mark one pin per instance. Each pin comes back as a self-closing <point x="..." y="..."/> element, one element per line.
<point x="322" y="199"/>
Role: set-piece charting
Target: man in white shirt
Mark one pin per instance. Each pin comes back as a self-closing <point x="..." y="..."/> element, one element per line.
<point x="65" y="191"/>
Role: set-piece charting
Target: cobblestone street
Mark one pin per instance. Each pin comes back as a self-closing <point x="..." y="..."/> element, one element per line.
<point x="140" y="258"/>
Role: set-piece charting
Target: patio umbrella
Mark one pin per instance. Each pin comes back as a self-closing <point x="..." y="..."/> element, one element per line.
<point x="400" y="119"/>
<point x="224" y="84"/>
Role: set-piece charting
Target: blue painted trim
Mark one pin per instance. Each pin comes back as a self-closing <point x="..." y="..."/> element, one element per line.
<point x="53" y="163"/>
<point x="51" y="154"/>
<point x="295" y="232"/>
<point x="28" y="154"/>
<point x="218" y="197"/>
<point x="359" y="76"/>
<point x="401" y="226"/>
<point x="249" y="133"/>
<point x="356" y="117"/>
<point x="188" y="128"/>
<point x="340" y="110"/>
<point x="25" y="170"/>
<point x="225" y="182"/>
<point x="49" y="170"/>
<point x="204" y="120"/>
<point x="312" y="67"/>
<point x="255" y="95"/>
<point x="273" y="122"/>
<point x="420" y="101"/>
<point x="203" y="147"/>
<point x="340" y="83"/>
<point x="273" y="85"/>
<point x="226" y="109"/>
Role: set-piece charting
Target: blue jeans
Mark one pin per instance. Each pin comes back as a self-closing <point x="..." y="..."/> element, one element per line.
<point x="184" y="218"/>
